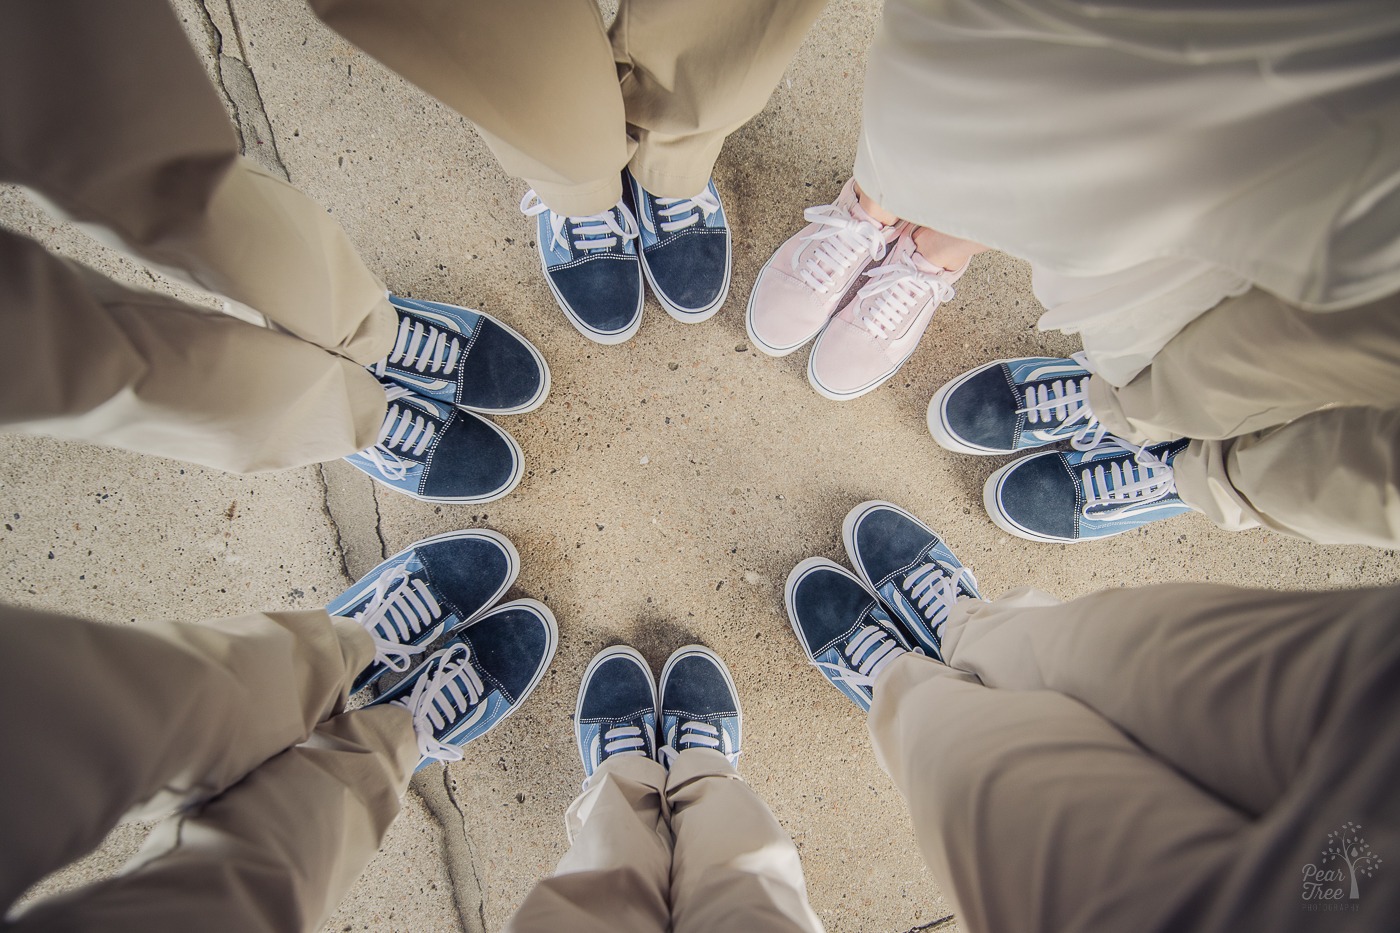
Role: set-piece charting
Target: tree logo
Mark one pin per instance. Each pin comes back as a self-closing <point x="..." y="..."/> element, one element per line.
<point x="1346" y="846"/>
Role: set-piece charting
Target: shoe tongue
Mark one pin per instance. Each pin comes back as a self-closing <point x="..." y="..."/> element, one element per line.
<point x="851" y="203"/>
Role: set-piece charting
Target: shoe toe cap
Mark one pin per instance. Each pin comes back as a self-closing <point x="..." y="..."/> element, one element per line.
<point x="826" y="605"/>
<point x="501" y="371"/>
<point x="604" y="292"/>
<point x="845" y="361"/>
<point x="510" y="645"/>
<point x="617" y="688"/>
<point x="473" y="460"/>
<point x="696" y="685"/>
<point x="981" y="410"/>
<point x="691" y="270"/>
<point x="886" y="540"/>
<point x="785" y="313"/>
<point x="1039" y="494"/>
<point x="470" y="570"/>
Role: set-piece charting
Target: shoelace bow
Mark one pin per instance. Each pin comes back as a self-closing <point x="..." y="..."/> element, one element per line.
<point x="868" y="653"/>
<point x="934" y="592"/>
<point x="680" y="213"/>
<point x="1126" y="486"/>
<point x="694" y="734"/>
<point x="841" y="241"/>
<point x="594" y="231"/>
<point x="897" y="288"/>
<point x="399" y="610"/>
<point x="406" y="430"/>
<point x="424" y="349"/>
<point x="443" y="694"/>
<point x="1065" y="401"/>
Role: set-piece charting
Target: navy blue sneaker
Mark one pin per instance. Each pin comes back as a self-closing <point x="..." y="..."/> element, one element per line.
<point x="912" y="570"/>
<point x="699" y="705"/>
<point x="478" y="678"/>
<point x="464" y="358"/>
<point x="1081" y="495"/>
<point x="843" y="628"/>
<point x="428" y="588"/>
<point x="591" y="266"/>
<point x="686" y="252"/>
<point x="1011" y="405"/>
<point x="437" y="453"/>
<point x="616" y="711"/>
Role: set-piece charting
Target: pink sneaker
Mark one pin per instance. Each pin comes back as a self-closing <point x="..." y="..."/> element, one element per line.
<point x="878" y="329"/>
<point x="808" y="278"/>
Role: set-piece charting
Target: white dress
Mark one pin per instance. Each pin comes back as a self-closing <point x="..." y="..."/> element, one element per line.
<point x="1148" y="158"/>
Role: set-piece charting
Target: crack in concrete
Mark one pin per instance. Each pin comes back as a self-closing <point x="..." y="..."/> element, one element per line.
<point x="348" y="497"/>
<point x="932" y="925"/>
<point x="325" y="484"/>
<point x="455" y="866"/>
<point x="241" y="91"/>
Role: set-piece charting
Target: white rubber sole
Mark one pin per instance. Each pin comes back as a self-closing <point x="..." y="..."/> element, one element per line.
<point x="687" y="651"/>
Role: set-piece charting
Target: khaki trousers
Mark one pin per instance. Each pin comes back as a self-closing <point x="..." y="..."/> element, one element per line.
<point x="1294" y="416"/>
<point x="284" y="797"/>
<point x="1156" y="759"/>
<point x="690" y="851"/>
<point x="566" y="104"/>
<point x="138" y="148"/>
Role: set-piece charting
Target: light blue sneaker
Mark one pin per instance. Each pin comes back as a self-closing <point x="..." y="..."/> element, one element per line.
<point x="616" y="710"/>
<point x="1081" y="495"/>
<point x="591" y="266"/>
<point x="429" y="588"/>
<point x="478" y="678"/>
<point x="699" y="705"/>
<point x="911" y="569"/>
<point x="845" y="631"/>
<point x="432" y="451"/>
<point x="464" y="358"/>
<point x="1010" y="405"/>
<point x="686" y="252"/>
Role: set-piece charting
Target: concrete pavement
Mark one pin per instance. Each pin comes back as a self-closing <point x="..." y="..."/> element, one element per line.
<point x="672" y="482"/>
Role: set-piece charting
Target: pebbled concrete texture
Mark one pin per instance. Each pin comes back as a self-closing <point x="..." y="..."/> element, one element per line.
<point x="672" y="482"/>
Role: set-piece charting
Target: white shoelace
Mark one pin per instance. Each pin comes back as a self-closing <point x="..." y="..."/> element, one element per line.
<point x="841" y="241"/>
<point x="934" y="592"/>
<point x="423" y="349"/>
<point x="1127" y="486"/>
<point x="1065" y="401"/>
<point x="897" y="287"/>
<point x="692" y="734"/>
<point x="595" y="231"/>
<point x="869" y="653"/>
<point x="624" y="740"/>
<point x="680" y="213"/>
<point x="442" y="697"/>
<point x="403" y="607"/>
<point x="405" y="428"/>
